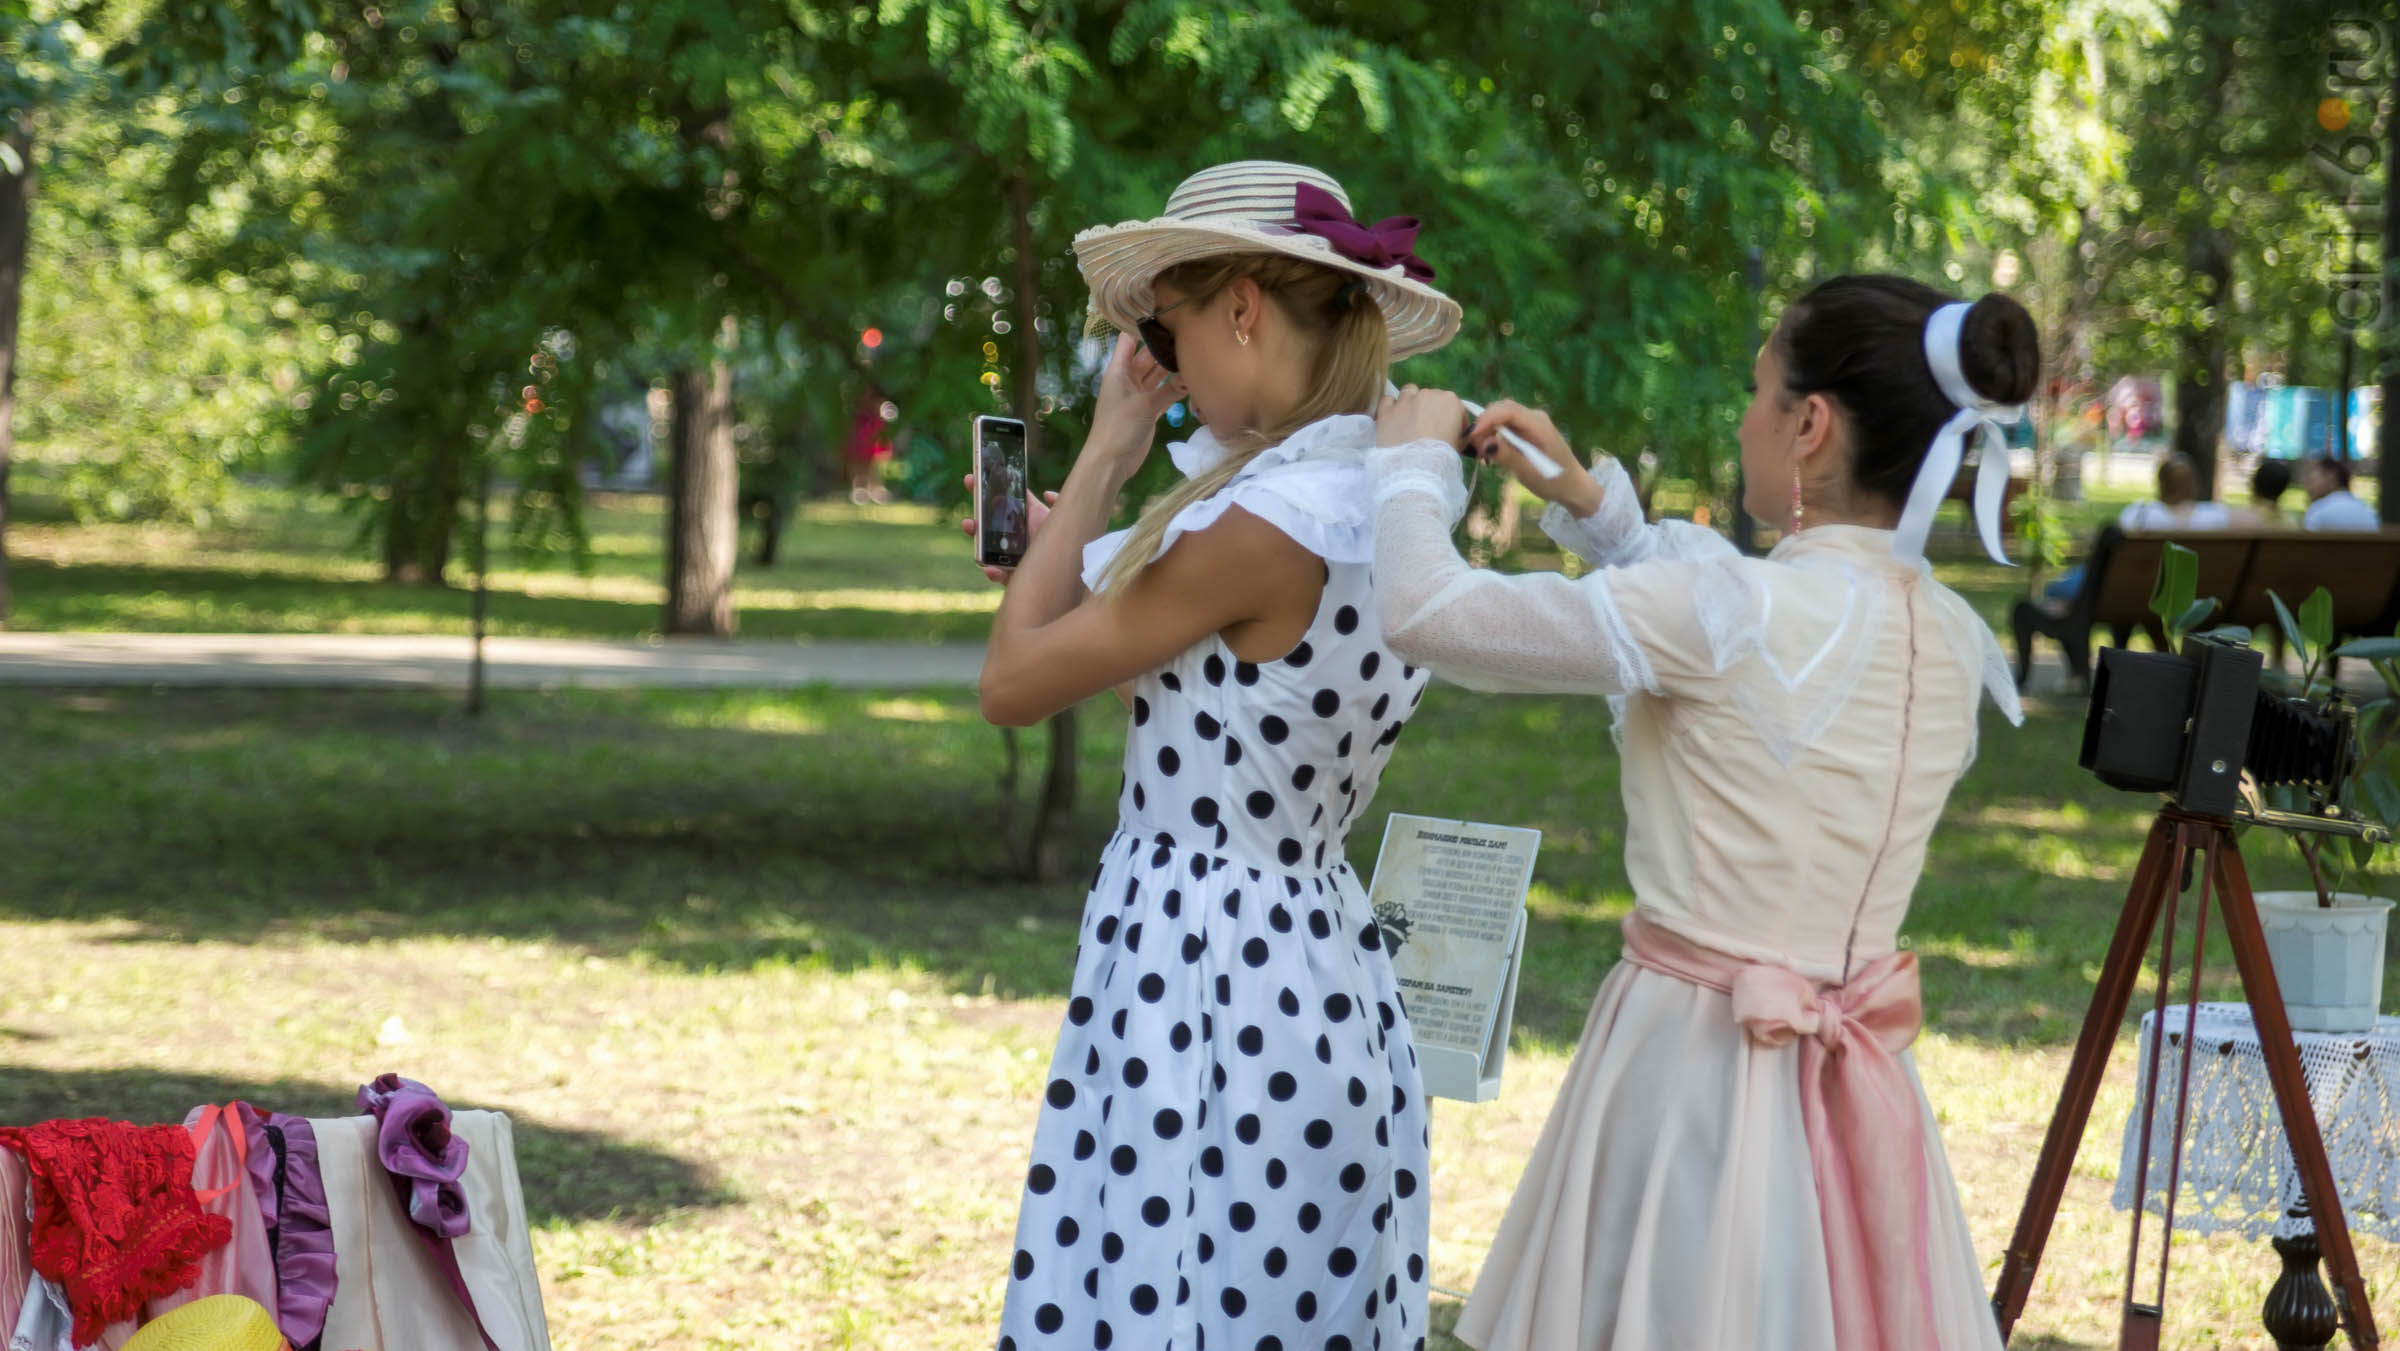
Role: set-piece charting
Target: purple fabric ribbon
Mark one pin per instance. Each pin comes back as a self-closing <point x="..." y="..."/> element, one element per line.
<point x="1385" y="243"/>
<point x="414" y="1144"/>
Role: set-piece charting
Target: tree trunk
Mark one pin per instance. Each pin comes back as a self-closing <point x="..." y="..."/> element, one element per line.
<point x="419" y="520"/>
<point x="2200" y="384"/>
<point x="16" y="202"/>
<point x="2387" y="323"/>
<point x="1057" y="801"/>
<point x="704" y="523"/>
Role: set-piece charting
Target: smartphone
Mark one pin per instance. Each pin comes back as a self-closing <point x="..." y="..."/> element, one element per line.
<point x="1001" y="481"/>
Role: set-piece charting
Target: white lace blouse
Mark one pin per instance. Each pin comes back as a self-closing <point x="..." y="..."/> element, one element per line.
<point x="1791" y="725"/>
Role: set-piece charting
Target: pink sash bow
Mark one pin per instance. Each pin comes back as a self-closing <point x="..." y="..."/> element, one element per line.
<point x="1866" y="1129"/>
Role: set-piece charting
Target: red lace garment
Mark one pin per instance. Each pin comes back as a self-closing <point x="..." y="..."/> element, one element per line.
<point x="115" y="1220"/>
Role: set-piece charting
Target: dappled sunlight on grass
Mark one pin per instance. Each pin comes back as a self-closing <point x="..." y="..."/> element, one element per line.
<point x="916" y="710"/>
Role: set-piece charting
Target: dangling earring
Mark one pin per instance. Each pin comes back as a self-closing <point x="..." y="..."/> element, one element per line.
<point x="1240" y="337"/>
<point x="1799" y="507"/>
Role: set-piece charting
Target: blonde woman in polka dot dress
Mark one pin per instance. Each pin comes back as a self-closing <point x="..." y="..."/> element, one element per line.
<point x="1231" y="1148"/>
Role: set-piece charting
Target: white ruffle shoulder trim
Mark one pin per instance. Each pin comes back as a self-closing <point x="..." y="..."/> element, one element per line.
<point x="1312" y="487"/>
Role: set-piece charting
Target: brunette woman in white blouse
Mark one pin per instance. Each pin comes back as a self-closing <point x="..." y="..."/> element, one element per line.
<point x="1742" y="1157"/>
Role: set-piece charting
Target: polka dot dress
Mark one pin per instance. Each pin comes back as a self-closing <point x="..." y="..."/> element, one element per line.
<point x="1232" y="1148"/>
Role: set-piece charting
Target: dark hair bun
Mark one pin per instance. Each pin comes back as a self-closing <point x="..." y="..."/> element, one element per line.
<point x="1998" y="350"/>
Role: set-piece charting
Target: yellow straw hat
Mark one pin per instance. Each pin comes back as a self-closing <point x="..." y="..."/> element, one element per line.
<point x="217" y="1323"/>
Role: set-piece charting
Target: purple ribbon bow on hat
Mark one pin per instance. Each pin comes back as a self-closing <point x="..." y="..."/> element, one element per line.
<point x="1385" y="243"/>
<point x="414" y="1144"/>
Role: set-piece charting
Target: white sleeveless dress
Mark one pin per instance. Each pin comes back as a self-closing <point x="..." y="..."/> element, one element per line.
<point x="1231" y="1152"/>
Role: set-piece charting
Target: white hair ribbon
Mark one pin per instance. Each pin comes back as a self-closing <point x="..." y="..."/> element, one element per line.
<point x="1977" y="416"/>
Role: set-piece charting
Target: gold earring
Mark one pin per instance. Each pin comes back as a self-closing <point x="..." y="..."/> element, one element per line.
<point x="1241" y="337"/>
<point x="1799" y="507"/>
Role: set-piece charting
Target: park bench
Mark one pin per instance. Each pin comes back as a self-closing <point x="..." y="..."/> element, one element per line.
<point x="2238" y="568"/>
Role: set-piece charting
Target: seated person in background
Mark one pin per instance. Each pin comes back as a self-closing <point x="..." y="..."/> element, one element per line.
<point x="2267" y="485"/>
<point x="2331" y="504"/>
<point x="2178" y="505"/>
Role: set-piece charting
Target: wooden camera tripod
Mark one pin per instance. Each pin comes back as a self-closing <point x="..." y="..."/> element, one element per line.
<point x="2179" y="840"/>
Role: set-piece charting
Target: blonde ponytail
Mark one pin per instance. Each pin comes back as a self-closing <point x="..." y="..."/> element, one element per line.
<point x="1353" y="354"/>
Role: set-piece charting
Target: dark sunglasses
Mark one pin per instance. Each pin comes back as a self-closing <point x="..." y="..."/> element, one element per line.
<point x="1159" y="338"/>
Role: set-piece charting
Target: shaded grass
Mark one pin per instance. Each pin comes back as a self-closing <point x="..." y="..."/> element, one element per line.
<point x="748" y="968"/>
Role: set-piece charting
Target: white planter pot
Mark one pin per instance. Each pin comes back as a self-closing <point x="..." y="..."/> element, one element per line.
<point x="2329" y="962"/>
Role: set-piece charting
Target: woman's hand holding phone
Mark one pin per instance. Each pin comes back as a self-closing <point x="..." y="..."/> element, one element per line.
<point x="1035" y="514"/>
<point x="1573" y="487"/>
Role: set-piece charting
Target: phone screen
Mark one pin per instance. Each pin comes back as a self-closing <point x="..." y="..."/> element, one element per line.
<point x="1000" y="482"/>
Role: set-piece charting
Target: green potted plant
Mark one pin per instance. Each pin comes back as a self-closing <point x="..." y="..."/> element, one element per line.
<point x="2327" y="943"/>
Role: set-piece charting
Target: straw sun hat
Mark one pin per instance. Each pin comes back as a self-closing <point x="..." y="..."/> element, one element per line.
<point x="217" y="1323"/>
<point x="1264" y="206"/>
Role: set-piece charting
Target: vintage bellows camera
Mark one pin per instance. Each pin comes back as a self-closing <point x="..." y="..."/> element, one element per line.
<point x="2189" y="724"/>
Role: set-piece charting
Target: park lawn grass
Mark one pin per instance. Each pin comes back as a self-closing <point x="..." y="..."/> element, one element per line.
<point x="281" y="561"/>
<point x="750" y="973"/>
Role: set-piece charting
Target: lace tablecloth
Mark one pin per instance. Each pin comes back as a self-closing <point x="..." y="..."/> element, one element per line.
<point x="2238" y="1176"/>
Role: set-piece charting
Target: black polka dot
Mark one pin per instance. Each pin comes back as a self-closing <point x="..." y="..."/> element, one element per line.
<point x="1139" y="798"/>
<point x="1369" y="664"/>
<point x="1245" y="672"/>
<point x="1171" y="681"/>
<point x="1233" y="1302"/>
<point x="1111" y="1247"/>
<point x="1341" y="1262"/>
<point x="1404" y="1183"/>
<point x="1212" y="1161"/>
<point x="1354" y="1176"/>
<point x="1213" y="669"/>
<point x="1105" y="930"/>
<point x="1274" y="729"/>
<point x="1049" y="1318"/>
<point x="1122" y="1160"/>
<point x="1288" y="1002"/>
<point x="1193" y="946"/>
<point x="1168" y="1123"/>
<point x="1144" y="1300"/>
<point x="1085" y="1145"/>
<point x="1103" y="1336"/>
<point x="1207" y="727"/>
<point x="1241" y="1217"/>
<point x="1155" y="1211"/>
<point x="1133" y="937"/>
<point x="1275" y="1261"/>
<point x="1169" y="761"/>
<point x="1382" y="704"/>
<point x="1254" y="952"/>
<point x="1181" y="1037"/>
<point x="1233" y="751"/>
<point x="1062" y="1093"/>
<point x="1141" y="710"/>
<point x="1416" y="1267"/>
<point x="1310" y="1217"/>
<point x="1342" y="749"/>
<point x="1079" y="1010"/>
<point x="1172" y="903"/>
<point x="1251" y="1040"/>
<point x="1280" y="920"/>
<point x="1136" y="1072"/>
<point x="1042" y="1179"/>
<point x="1152" y="989"/>
<point x="1371" y="937"/>
<point x="1305" y="1307"/>
<point x="1246" y="1129"/>
<point x="1301" y="655"/>
<point x="1204" y="810"/>
<point x="1068" y="1232"/>
<point x="1337" y="1006"/>
<point x="1024" y="1264"/>
<point x="1276" y="1173"/>
<point x="1289" y="852"/>
<point x="1319" y="1133"/>
<point x="1281" y="1086"/>
<point x="1345" y="620"/>
<point x="1304" y="776"/>
<point x="1327" y="703"/>
<point x="1261" y="804"/>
